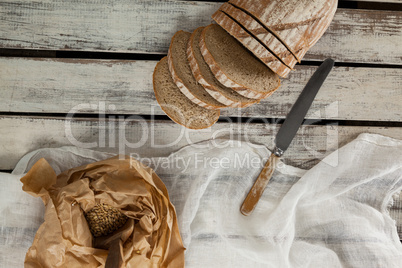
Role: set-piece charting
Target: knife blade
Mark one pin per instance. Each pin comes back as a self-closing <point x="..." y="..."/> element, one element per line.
<point x="286" y="134"/>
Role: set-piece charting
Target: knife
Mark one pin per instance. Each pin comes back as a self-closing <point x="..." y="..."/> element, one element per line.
<point x="286" y="134"/>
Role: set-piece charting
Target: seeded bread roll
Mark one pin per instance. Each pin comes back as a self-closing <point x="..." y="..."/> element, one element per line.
<point x="261" y="33"/>
<point x="182" y="75"/>
<point x="234" y="66"/>
<point x="176" y="105"/>
<point x="251" y="43"/>
<point x="205" y="77"/>
<point x="104" y="219"/>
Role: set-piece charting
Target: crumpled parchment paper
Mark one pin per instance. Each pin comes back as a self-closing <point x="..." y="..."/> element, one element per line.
<point x="150" y="238"/>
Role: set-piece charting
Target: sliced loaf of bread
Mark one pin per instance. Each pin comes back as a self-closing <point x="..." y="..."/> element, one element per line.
<point x="176" y="105"/>
<point x="298" y="24"/>
<point x="234" y="66"/>
<point x="260" y="50"/>
<point x="205" y="77"/>
<point x="182" y="75"/>
<point x="260" y="32"/>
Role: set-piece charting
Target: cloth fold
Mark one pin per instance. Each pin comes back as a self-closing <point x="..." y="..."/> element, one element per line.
<point x="333" y="215"/>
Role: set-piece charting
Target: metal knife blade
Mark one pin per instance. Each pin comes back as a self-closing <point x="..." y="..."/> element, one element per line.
<point x="299" y="110"/>
<point x="286" y="134"/>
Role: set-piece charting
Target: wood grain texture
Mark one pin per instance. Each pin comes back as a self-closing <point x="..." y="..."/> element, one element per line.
<point x="22" y="134"/>
<point x="125" y="87"/>
<point x="365" y="36"/>
<point x="124" y="26"/>
<point x="354" y="35"/>
<point x="259" y="186"/>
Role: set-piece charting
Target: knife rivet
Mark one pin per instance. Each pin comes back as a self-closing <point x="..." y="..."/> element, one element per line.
<point x="278" y="152"/>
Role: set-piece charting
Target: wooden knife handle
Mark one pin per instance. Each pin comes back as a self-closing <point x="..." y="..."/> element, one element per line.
<point x="259" y="186"/>
<point x="114" y="258"/>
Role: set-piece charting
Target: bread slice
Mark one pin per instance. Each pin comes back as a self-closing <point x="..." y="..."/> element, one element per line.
<point x="176" y="105"/>
<point x="234" y="66"/>
<point x="242" y="35"/>
<point x="298" y="24"/>
<point x="261" y="33"/>
<point x="181" y="73"/>
<point x="205" y="77"/>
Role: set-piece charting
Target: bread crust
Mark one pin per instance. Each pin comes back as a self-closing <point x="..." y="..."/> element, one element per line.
<point x="180" y="84"/>
<point x="163" y="106"/>
<point x="225" y="79"/>
<point x="211" y="89"/>
<point x="298" y="25"/>
<point x="262" y="34"/>
<point x="251" y="43"/>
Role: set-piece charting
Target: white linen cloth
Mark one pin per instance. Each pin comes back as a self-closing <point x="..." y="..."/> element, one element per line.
<point x="333" y="215"/>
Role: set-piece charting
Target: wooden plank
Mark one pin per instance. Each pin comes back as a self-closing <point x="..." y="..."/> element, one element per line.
<point x="365" y="36"/>
<point x="20" y="135"/>
<point x="361" y="36"/>
<point x="125" y="87"/>
<point x="123" y="26"/>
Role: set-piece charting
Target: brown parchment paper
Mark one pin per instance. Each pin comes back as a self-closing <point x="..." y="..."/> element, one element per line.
<point x="150" y="238"/>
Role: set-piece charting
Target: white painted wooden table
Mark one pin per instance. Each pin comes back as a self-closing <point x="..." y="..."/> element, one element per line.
<point x="79" y="73"/>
